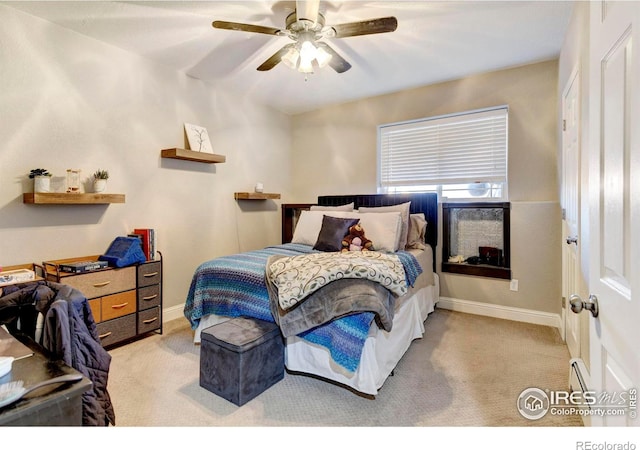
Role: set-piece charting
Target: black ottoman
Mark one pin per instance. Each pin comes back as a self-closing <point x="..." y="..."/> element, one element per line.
<point x="241" y="358"/>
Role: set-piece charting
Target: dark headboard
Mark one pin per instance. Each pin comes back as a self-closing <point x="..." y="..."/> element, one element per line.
<point x="426" y="203"/>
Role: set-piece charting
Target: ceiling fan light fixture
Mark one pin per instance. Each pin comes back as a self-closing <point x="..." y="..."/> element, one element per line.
<point x="323" y="57"/>
<point x="305" y="66"/>
<point x="291" y="58"/>
<point x="308" y="52"/>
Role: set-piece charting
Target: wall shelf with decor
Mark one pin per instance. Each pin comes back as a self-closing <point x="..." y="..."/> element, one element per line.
<point x="63" y="198"/>
<point x="190" y="155"/>
<point x="255" y="196"/>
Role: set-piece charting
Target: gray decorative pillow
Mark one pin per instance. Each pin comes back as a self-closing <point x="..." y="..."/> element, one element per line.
<point x="417" y="231"/>
<point x="333" y="230"/>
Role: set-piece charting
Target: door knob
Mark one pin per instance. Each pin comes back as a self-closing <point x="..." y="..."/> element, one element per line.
<point x="572" y="240"/>
<point x="577" y="304"/>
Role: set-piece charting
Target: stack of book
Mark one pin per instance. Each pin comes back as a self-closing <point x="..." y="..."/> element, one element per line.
<point x="82" y="266"/>
<point x="148" y="238"/>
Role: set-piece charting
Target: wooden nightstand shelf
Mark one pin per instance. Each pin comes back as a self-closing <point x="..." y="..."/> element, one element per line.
<point x="190" y="155"/>
<point x="255" y="196"/>
<point x="63" y="198"/>
<point x="290" y="214"/>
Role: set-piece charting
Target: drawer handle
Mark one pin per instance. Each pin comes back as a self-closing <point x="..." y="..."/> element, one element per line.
<point x="121" y="305"/>
<point x="149" y="297"/>
<point x="152" y="274"/>
<point x="102" y="336"/>
<point x="150" y="320"/>
<point x="104" y="283"/>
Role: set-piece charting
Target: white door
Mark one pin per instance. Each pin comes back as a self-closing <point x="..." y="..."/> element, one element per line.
<point x="570" y="207"/>
<point x="614" y="202"/>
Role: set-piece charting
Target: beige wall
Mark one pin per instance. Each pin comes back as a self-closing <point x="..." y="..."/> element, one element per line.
<point x="334" y="152"/>
<point x="68" y="101"/>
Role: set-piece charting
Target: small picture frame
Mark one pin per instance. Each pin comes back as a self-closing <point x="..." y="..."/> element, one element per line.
<point x="198" y="138"/>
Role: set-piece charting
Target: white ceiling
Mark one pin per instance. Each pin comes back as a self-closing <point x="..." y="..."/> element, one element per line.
<point x="435" y="41"/>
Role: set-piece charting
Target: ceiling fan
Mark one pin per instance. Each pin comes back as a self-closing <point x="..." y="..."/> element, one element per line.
<point x="305" y="26"/>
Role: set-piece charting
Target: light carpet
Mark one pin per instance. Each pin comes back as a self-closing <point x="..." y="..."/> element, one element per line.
<point x="467" y="370"/>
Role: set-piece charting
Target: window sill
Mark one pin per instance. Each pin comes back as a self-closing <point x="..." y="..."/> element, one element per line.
<point x="480" y="270"/>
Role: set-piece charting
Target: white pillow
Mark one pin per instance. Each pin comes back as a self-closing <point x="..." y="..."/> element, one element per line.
<point x="382" y="229"/>
<point x="347" y="207"/>
<point x="403" y="208"/>
<point x="308" y="227"/>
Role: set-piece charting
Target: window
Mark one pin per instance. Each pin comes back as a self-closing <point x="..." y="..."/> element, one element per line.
<point x="459" y="156"/>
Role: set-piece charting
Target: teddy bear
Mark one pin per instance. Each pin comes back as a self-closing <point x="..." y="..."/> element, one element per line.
<point x="356" y="241"/>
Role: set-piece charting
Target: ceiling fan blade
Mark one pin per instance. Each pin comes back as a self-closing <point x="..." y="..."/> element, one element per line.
<point x="372" y="26"/>
<point x="307" y="10"/>
<point x="274" y="59"/>
<point x="337" y="62"/>
<point x="245" y="27"/>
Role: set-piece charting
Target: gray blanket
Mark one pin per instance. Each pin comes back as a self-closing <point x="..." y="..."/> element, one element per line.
<point x="336" y="299"/>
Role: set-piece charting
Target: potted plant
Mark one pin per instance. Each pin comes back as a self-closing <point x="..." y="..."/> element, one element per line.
<point x="100" y="178"/>
<point x="41" y="180"/>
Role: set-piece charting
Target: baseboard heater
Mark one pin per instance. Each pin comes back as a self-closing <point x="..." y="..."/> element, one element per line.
<point x="579" y="379"/>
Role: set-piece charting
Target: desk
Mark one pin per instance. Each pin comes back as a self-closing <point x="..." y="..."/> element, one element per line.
<point x="53" y="405"/>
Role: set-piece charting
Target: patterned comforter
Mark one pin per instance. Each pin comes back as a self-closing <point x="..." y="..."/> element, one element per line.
<point x="235" y="286"/>
<point x="297" y="277"/>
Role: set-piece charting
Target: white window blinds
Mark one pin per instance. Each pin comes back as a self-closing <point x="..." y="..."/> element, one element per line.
<point x="469" y="148"/>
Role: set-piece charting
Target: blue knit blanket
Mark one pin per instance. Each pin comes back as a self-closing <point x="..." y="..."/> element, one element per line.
<point x="235" y="286"/>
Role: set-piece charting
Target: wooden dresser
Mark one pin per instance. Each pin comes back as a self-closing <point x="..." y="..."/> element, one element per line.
<point x="126" y="302"/>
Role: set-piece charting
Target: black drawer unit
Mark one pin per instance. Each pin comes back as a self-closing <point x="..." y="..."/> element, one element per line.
<point x="149" y="296"/>
<point x="117" y="330"/>
<point x="150" y="320"/>
<point x="149" y="286"/>
<point x="150" y="273"/>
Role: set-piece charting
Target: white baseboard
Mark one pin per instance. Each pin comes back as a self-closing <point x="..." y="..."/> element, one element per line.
<point x="500" y="312"/>
<point x="453" y="304"/>
<point x="172" y="313"/>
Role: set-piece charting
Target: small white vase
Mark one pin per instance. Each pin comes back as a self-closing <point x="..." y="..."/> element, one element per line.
<point x="41" y="184"/>
<point x="99" y="185"/>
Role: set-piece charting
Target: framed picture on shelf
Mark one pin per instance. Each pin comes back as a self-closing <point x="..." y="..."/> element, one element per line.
<point x="198" y="138"/>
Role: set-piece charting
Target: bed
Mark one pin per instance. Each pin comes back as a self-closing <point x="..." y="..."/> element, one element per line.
<point x="358" y="350"/>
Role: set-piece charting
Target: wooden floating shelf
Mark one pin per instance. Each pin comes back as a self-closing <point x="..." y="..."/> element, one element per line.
<point x="483" y="270"/>
<point x="255" y="196"/>
<point x="190" y="155"/>
<point x="63" y="198"/>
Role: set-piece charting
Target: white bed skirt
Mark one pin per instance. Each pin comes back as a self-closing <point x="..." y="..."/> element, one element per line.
<point x="381" y="353"/>
<point x="382" y="350"/>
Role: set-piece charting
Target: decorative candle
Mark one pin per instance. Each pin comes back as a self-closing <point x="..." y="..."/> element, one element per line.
<point x="73" y="180"/>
